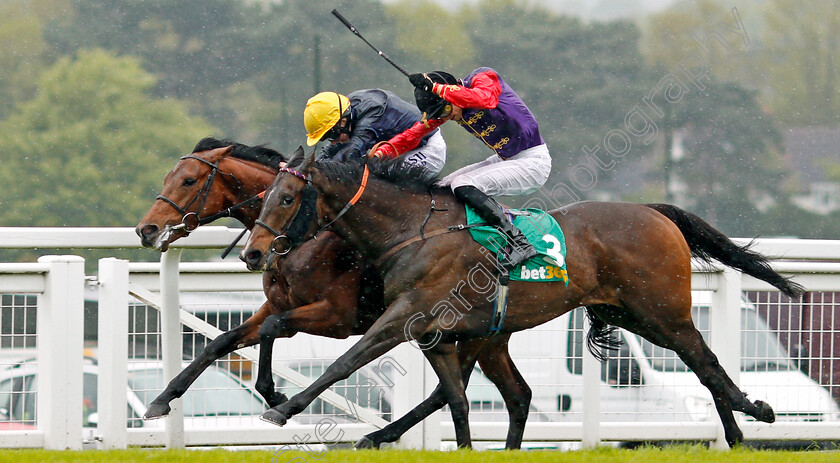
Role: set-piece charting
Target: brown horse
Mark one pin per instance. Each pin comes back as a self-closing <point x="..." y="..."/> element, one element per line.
<point x="317" y="288"/>
<point x="629" y="264"/>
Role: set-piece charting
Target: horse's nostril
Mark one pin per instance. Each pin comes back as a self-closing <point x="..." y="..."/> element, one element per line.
<point x="251" y="257"/>
<point x="147" y="231"/>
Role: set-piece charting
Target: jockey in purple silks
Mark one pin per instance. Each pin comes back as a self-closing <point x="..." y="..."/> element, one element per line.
<point x="488" y="108"/>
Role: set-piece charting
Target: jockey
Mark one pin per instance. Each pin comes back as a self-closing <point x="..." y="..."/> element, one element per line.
<point x="487" y="107"/>
<point x="354" y="123"/>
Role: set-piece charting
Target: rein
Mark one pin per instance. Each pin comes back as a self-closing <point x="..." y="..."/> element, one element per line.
<point x="352" y="202"/>
<point x="283" y="243"/>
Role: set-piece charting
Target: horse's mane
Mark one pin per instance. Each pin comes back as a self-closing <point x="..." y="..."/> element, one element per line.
<point x="259" y="153"/>
<point x="409" y="177"/>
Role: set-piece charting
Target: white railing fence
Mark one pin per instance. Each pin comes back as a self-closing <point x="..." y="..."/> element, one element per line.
<point x="58" y="282"/>
<point x="123" y="288"/>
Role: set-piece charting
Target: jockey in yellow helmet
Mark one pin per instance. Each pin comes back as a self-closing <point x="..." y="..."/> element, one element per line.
<point x="352" y="124"/>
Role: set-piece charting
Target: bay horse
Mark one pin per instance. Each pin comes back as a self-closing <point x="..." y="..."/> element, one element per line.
<point x="319" y="288"/>
<point x="628" y="264"/>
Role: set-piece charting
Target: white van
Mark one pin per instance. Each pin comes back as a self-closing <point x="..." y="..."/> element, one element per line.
<point x="643" y="382"/>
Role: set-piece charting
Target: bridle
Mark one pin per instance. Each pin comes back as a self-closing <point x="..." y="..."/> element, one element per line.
<point x="296" y="229"/>
<point x="191" y="220"/>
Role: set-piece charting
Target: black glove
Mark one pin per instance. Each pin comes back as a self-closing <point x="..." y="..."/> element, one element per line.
<point x="421" y="81"/>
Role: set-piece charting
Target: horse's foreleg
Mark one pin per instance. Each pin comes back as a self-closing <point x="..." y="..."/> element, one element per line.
<point x="270" y="330"/>
<point x="444" y="361"/>
<point x="241" y="336"/>
<point x="497" y="365"/>
<point x="320" y="318"/>
<point x="396" y="429"/>
<point x="385" y="334"/>
<point x="467" y="351"/>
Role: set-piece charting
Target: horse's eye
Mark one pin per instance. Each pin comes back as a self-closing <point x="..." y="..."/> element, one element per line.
<point x="287" y="200"/>
<point x="189" y="181"/>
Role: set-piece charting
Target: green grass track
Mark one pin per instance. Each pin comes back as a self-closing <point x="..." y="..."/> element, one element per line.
<point x="606" y="455"/>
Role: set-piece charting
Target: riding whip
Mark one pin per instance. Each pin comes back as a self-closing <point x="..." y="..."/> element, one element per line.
<point x="359" y="35"/>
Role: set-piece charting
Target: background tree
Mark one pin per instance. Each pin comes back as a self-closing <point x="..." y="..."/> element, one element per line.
<point x="93" y="145"/>
<point x="732" y="146"/>
<point x="427" y="33"/>
<point x="580" y="80"/>
<point x="709" y="32"/>
<point x="731" y="162"/>
<point x="248" y="68"/>
<point x="801" y="58"/>
<point x="24" y="53"/>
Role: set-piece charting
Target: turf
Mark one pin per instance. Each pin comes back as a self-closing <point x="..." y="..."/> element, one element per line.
<point x="607" y="455"/>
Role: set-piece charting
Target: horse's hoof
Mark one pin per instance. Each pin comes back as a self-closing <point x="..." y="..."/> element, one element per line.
<point x="277" y="399"/>
<point x="274" y="417"/>
<point x="365" y="443"/>
<point x="765" y="412"/>
<point x="156" y="411"/>
<point x="734" y="439"/>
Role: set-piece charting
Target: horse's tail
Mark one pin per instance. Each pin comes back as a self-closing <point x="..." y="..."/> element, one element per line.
<point x="706" y="244"/>
<point x="600" y="336"/>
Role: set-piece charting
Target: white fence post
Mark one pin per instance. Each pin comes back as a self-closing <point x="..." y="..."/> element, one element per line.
<point x="725" y="326"/>
<point x="60" y="322"/>
<point x="431" y="425"/>
<point x="410" y="390"/>
<point x="113" y="353"/>
<point x="591" y="395"/>
<point x="171" y="341"/>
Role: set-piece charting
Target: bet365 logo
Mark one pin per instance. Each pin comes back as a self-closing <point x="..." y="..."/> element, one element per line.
<point x="545" y="272"/>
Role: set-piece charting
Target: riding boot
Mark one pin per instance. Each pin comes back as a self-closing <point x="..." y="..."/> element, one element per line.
<point x="518" y="249"/>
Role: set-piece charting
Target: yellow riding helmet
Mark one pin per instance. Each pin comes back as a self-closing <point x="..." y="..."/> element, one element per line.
<point x="322" y="112"/>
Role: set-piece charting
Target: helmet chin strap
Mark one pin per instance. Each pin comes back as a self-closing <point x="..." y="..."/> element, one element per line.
<point x="346" y="129"/>
<point x="341" y="110"/>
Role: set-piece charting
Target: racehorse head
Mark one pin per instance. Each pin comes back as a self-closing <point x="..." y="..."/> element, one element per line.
<point x="288" y="213"/>
<point x="219" y="178"/>
<point x="306" y="190"/>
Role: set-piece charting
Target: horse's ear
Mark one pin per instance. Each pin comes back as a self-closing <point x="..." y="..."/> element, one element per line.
<point x="296" y="159"/>
<point x="308" y="161"/>
<point x="219" y="153"/>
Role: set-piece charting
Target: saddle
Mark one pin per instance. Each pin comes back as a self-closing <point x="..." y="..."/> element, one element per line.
<point x="541" y="230"/>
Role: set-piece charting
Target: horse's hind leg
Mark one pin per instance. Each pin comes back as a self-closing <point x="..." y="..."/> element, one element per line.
<point x="684" y="339"/>
<point x="673" y="329"/>
<point x="759" y="410"/>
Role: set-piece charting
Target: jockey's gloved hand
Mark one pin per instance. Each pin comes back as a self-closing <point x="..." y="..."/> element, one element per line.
<point x="421" y="81"/>
<point x="384" y="150"/>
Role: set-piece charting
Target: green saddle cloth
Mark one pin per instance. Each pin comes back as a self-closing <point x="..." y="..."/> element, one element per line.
<point x="541" y="230"/>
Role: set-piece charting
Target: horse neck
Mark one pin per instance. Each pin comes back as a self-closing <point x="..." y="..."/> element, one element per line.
<point x="384" y="215"/>
<point x="254" y="178"/>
